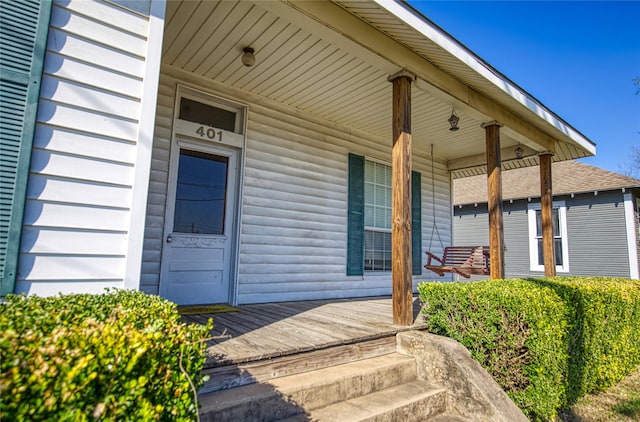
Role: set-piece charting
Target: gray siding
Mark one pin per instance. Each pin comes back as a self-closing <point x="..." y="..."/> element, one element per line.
<point x="516" y="239"/>
<point x="596" y="232"/>
<point x="471" y="227"/>
<point x="597" y="235"/>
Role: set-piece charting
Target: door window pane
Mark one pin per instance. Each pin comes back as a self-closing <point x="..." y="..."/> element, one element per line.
<point x="208" y="115"/>
<point x="200" y="193"/>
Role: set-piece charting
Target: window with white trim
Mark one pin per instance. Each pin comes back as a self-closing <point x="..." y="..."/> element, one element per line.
<point x="377" y="216"/>
<point x="559" y="218"/>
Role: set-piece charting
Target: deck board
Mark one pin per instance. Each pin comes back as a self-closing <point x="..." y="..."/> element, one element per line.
<point x="263" y="331"/>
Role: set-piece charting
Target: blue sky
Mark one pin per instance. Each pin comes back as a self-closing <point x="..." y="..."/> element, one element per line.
<point x="579" y="58"/>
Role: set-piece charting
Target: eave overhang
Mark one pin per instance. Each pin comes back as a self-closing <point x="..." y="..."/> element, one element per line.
<point x="449" y="71"/>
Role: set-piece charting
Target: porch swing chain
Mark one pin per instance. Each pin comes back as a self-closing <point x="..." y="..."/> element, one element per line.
<point x="434" y="228"/>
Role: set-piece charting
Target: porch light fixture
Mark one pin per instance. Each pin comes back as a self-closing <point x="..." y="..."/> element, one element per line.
<point x="453" y="120"/>
<point x="248" y="58"/>
<point x="518" y="152"/>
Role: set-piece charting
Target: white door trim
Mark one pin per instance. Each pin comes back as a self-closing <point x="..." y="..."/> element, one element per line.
<point x="185" y="135"/>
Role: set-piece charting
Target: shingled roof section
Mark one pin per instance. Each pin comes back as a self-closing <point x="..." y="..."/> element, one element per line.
<point x="567" y="177"/>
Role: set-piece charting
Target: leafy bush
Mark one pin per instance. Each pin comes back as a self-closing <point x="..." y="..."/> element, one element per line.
<point x="514" y="328"/>
<point x="545" y="341"/>
<point x="604" y="336"/>
<point x="123" y="355"/>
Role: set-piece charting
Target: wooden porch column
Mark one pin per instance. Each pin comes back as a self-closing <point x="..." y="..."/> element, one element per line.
<point x="494" y="188"/>
<point x="546" y="199"/>
<point x="401" y="201"/>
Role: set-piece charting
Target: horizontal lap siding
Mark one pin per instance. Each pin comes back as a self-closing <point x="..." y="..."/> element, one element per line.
<point x="77" y="214"/>
<point x="294" y="208"/>
<point x="23" y="32"/>
<point x="597" y="235"/>
<point x="293" y="239"/>
<point x="294" y="226"/>
<point x="437" y="229"/>
<point x="471" y="227"/>
<point x="516" y="239"/>
<point x="156" y="201"/>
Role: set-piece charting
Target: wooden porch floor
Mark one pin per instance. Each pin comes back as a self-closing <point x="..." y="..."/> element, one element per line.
<point x="269" y="330"/>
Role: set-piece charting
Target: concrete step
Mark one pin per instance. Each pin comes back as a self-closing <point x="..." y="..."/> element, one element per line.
<point x="445" y="417"/>
<point x="301" y="393"/>
<point x="413" y="401"/>
<point x="234" y="374"/>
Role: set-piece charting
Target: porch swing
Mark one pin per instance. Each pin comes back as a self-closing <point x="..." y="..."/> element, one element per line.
<point x="461" y="260"/>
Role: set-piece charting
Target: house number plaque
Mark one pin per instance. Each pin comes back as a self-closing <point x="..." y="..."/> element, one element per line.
<point x="209" y="132"/>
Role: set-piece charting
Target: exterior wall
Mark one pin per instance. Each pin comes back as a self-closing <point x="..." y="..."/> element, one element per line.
<point x="294" y="206"/>
<point x="470" y="227"/>
<point x="84" y="169"/>
<point x="596" y="232"/>
<point x="23" y="35"/>
<point x="597" y="235"/>
<point x="516" y="239"/>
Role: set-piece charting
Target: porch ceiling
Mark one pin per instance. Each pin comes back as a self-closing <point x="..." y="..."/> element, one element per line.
<point x="303" y="63"/>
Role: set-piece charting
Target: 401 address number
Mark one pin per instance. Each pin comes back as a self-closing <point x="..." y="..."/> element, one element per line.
<point x="209" y="133"/>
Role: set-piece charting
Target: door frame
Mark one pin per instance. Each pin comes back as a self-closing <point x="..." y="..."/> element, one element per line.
<point x="189" y="135"/>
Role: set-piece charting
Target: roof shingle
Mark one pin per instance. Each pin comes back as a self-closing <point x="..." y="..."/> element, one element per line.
<point x="567" y="177"/>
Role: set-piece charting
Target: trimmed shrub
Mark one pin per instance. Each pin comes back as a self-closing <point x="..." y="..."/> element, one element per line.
<point x="514" y="328"/>
<point x="604" y="334"/>
<point x="123" y="355"/>
<point x="545" y="341"/>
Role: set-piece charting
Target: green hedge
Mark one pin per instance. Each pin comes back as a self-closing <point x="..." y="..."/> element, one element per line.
<point x="122" y="355"/>
<point x="604" y="336"/>
<point x="545" y="341"/>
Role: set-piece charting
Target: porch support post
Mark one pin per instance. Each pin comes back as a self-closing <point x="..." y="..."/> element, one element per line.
<point x="401" y="200"/>
<point x="494" y="188"/>
<point x="546" y="199"/>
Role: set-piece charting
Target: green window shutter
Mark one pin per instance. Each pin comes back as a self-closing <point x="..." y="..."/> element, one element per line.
<point x="416" y="223"/>
<point x="355" y="216"/>
<point x="24" y="26"/>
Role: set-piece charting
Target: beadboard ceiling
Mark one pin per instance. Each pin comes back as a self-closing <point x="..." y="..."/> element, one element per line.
<point x="303" y="64"/>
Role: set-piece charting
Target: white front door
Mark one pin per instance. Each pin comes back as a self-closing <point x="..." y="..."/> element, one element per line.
<point x="199" y="239"/>
<point x="200" y="233"/>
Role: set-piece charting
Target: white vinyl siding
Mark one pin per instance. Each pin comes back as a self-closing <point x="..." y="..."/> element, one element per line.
<point x="293" y="237"/>
<point x="76" y="234"/>
<point x="23" y="32"/>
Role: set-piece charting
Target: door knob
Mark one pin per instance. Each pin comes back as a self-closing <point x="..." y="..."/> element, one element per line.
<point x="169" y="239"/>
